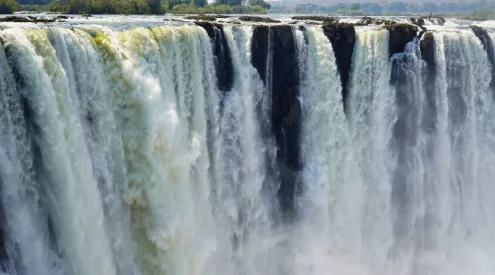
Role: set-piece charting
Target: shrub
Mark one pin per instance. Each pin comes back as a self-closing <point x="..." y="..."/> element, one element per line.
<point x="184" y="9"/>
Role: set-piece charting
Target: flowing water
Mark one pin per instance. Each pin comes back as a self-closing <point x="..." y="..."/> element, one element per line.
<point x="121" y="154"/>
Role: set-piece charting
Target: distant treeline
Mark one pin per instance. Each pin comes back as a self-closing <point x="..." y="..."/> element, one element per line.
<point x="487" y="13"/>
<point x="135" y="6"/>
<point x="387" y="8"/>
<point x="9" y="6"/>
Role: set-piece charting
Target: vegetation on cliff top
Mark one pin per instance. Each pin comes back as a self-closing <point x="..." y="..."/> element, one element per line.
<point x="481" y="14"/>
<point x="389" y="8"/>
<point x="8" y="6"/>
<point x="136" y="6"/>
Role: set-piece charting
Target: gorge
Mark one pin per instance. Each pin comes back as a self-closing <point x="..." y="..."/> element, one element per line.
<point x="300" y="147"/>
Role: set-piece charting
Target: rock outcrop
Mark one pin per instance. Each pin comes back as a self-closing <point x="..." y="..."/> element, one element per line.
<point x="259" y="50"/>
<point x="374" y="21"/>
<point x="427" y="48"/>
<point x="486" y="40"/>
<point x="286" y="113"/>
<point x="399" y="36"/>
<point x="258" y="19"/>
<point x="316" y="18"/>
<point x="223" y="60"/>
<point x="420" y="21"/>
<point x="285" y="106"/>
<point x="202" y="17"/>
<point x="343" y="37"/>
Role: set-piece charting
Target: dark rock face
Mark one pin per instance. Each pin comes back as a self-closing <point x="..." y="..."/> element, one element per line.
<point x="485" y="39"/>
<point x="259" y="50"/>
<point x="343" y="37"/>
<point x="417" y="21"/>
<point x="399" y="36"/>
<point x="286" y="113"/>
<point x="427" y="48"/>
<point x="221" y="52"/>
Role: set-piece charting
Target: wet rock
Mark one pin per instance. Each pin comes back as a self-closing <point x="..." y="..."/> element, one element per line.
<point x="17" y="19"/>
<point x="486" y="41"/>
<point x="259" y="50"/>
<point x="286" y="113"/>
<point x="174" y="20"/>
<point x="222" y="57"/>
<point x="209" y="27"/>
<point x="45" y="20"/>
<point x="399" y="36"/>
<point x="420" y="22"/>
<point x="316" y="18"/>
<point x="427" y="48"/>
<point x="374" y="21"/>
<point x="343" y="37"/>
<point x="417" y="21"/>
<point x="202" y="17"/>
<point x="436" y="20"/>
<point x="258" y="19"/>
<point x="29" y="19"/>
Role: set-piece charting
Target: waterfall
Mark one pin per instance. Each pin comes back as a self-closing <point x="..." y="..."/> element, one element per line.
<point x="221" y="148"/>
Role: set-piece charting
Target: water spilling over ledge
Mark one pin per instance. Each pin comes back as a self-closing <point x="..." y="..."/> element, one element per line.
<point x="304" y="145"/>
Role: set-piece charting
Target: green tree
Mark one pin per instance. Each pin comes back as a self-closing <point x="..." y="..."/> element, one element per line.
<point x="222" y="2"/>
<point x="8" y="6"/>
<point x="260" y="3"/>
<point x="200" y="3"/>
<point x="155" y="6"/>
<point x="236" y="2"/>
<point x="170" y="4"/>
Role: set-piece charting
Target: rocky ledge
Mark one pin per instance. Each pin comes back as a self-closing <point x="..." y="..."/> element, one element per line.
<point x="316" y="18"/>
<point x="259" y="19"/>
<point x="343" y="37"/>
<point x="33" y="19"/>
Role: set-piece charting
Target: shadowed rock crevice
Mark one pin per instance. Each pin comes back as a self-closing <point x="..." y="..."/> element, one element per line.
<point x="286" y="113"/>
<point x="486" y="40"/>
<point x="259" y="50"/>
<point x="427" y="48"/>
<point x="343" y="37"/>
<point x="399" y="36"/>
<point x="222" y="57"/>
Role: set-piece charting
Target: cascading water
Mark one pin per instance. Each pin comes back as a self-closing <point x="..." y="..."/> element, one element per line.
<point x="237" y="149"/>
